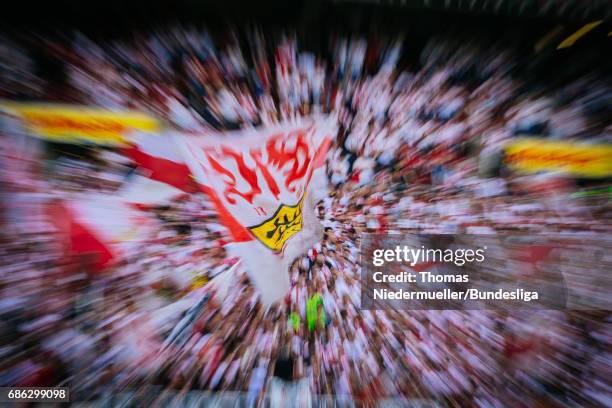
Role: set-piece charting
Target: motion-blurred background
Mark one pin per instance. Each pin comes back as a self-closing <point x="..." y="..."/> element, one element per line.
<point x="449" y="117"/>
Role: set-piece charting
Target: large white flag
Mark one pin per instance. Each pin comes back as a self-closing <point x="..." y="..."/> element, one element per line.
<point x="259" y="181"/>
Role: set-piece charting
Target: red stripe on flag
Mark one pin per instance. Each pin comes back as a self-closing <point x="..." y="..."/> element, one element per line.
<point x="321" y="153"/>
<point x="238" y="232"/>
<point x="163" y="170"/>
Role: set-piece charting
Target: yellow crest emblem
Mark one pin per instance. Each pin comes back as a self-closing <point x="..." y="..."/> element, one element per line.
<point x="276" y="230"/>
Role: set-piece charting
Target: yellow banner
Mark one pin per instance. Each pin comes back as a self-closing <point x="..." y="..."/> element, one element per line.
<point x="582" y="160"/>
<point x="74" y="124"/>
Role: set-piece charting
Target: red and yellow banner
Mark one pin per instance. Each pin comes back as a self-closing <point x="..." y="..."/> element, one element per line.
<point x="581" y="160"/>
<point x="75" y="124"/>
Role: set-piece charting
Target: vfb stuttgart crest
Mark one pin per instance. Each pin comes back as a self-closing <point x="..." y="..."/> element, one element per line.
<point x="276" y="230"/>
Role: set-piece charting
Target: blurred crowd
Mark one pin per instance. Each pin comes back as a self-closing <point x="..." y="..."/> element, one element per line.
<point x="418" y="150"/>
